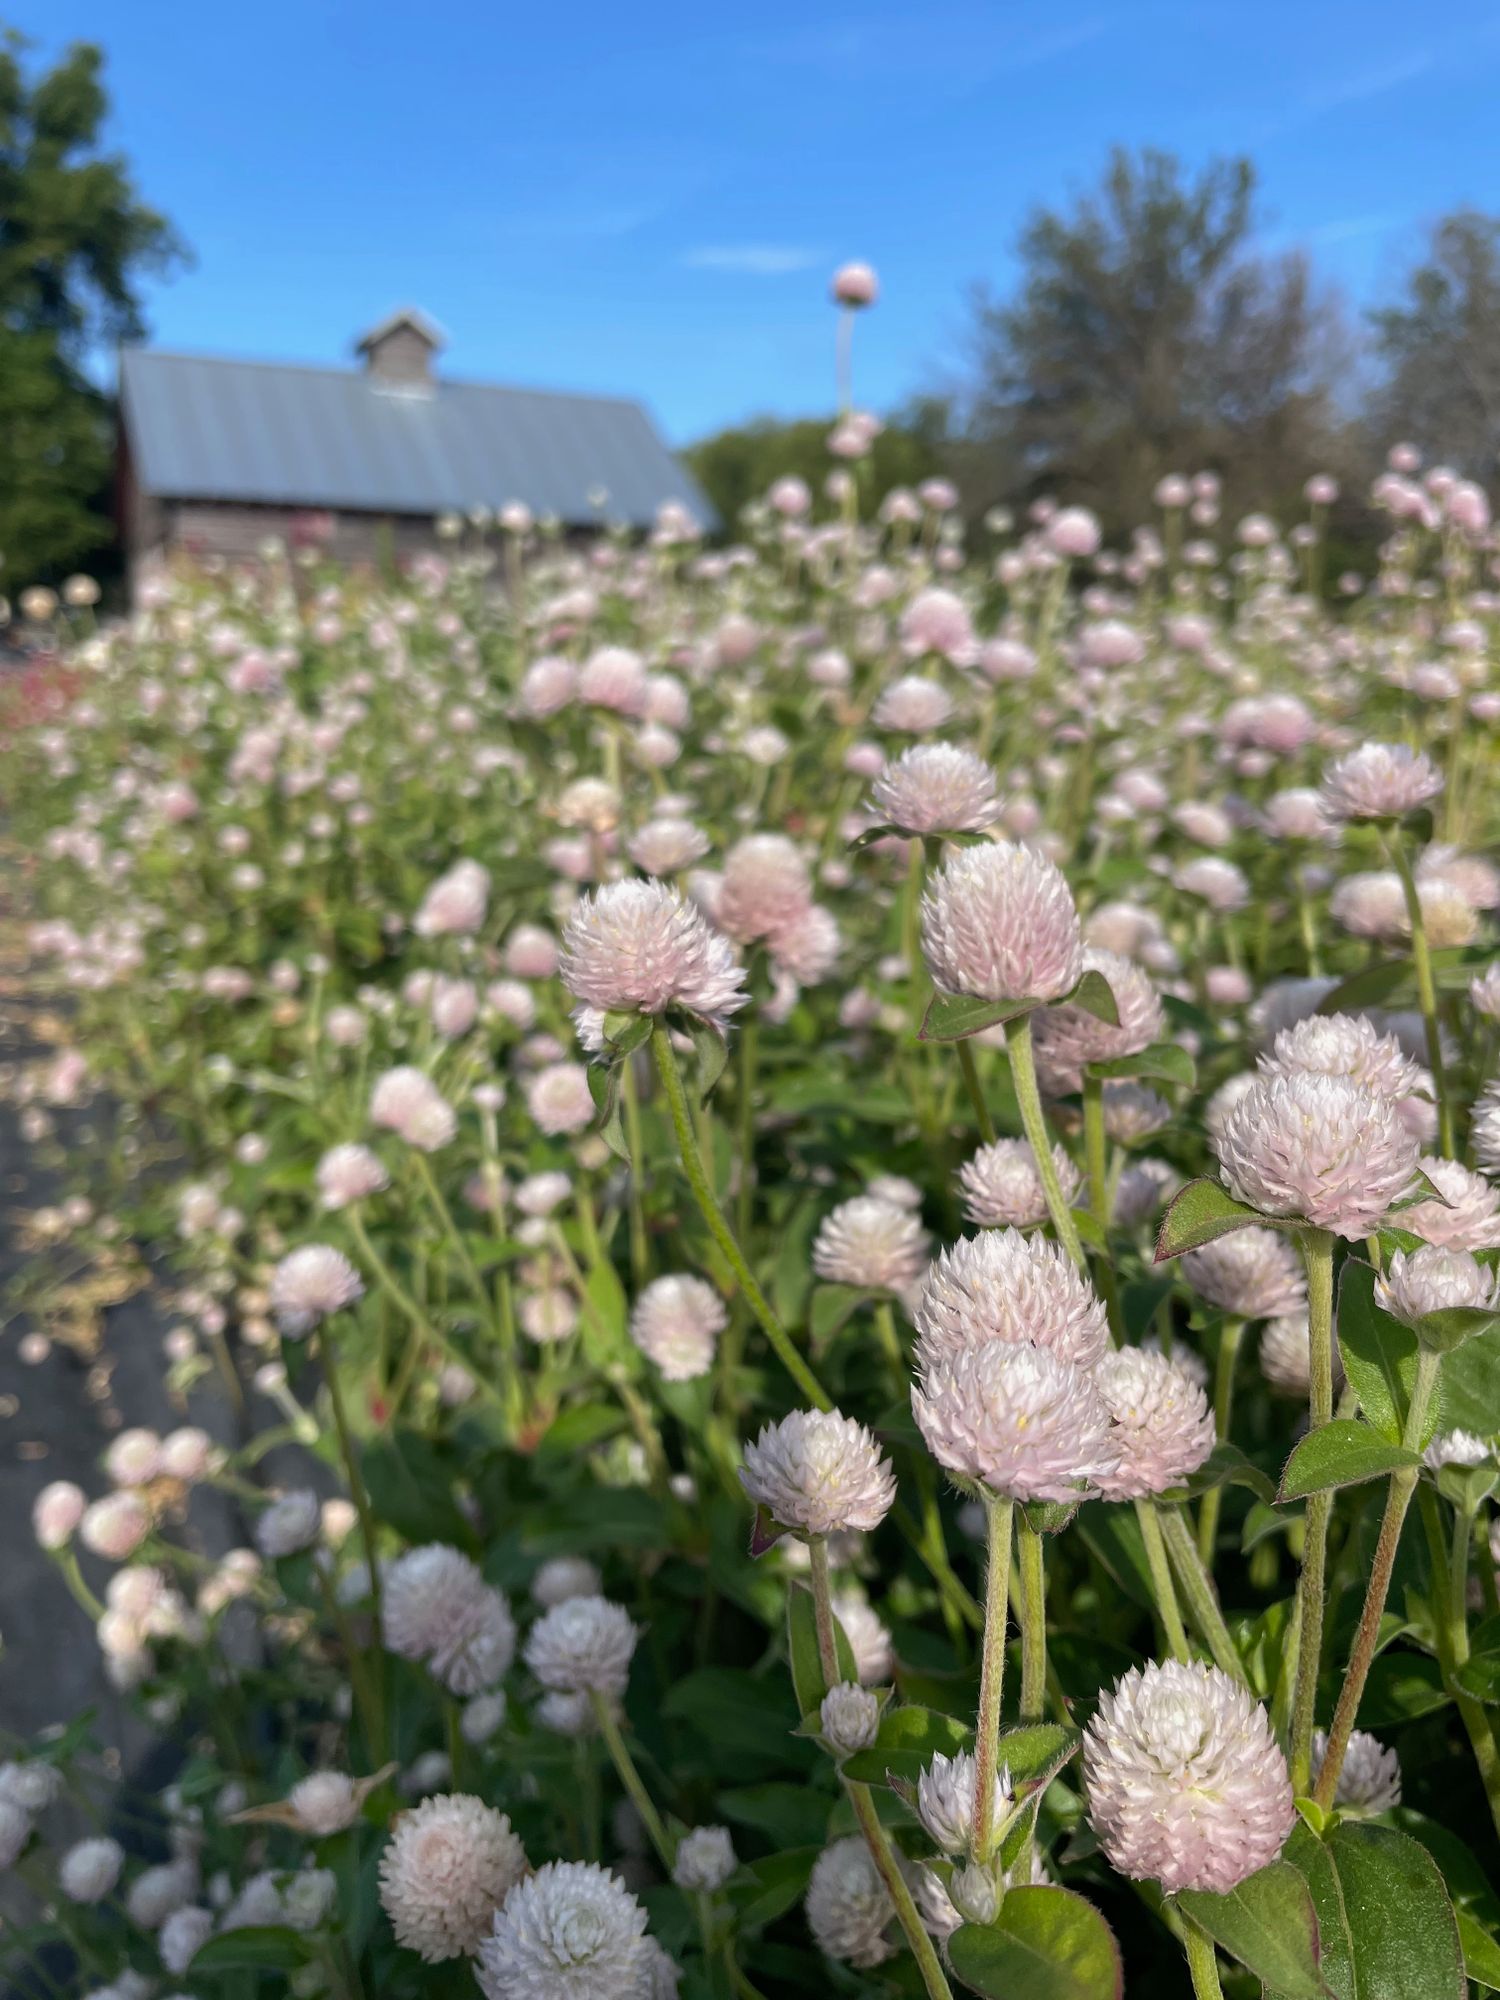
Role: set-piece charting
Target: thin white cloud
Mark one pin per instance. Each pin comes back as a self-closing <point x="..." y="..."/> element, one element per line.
<point x="1349" y="228"/>
<point x="751" y="260"/>
<point x="1360" y="85"/>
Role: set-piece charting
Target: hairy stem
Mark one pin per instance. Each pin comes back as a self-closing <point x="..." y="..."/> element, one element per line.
<point x="1161" y="1578"/>
<point x="1033" y="1619"/>
<point x="631" y="1779"/>
<point x="1202" y="1960"/>
<point x="1034" y="1124"/>
<point x="1317" y="1251"/>
<point x="972" y="1084"/>
<point x="1230" y="1334"/>
<point x="992" y="1672"/>
<point x="1198" y="1589"/>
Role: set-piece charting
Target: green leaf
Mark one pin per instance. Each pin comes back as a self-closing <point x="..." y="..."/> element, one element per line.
<point x="1379" y="1354"/>
<point x="576" y="1431"/>
<point x="1373" y="986"/>
<point x="830" y="1310"/>
<point x="1442" y="1332"/>
<point x="606" y="1341"/>
<point x="265" y="1947"/>
<point x="1481" y="1953"/>
<point x="1402" y="1686"/>
<point x="952" y="1017"/>
<point x="1268" y="1923"/>
<point x="711" y="1053"/>
<point x="764" y="1890"/>
<point x="1164" y="1062"/>
<point x="1342" y="1453"/>
<point x="1202" y="1211"/>
<point x="411" y="1488"/>
<point x="802" y="1650"/>
<point x="1034" y="1752"/>
<point x="907" y="1741"/>
<point x="625" y="1033"/>
<point x="1307" y="1854"/>
<point x="1479" y="1675"/>
<point x="1471" y="1385"/>
<point x="1402" y="1930"/>
<point x="788" y="1815"/>
<point x="1227" y="1465"/>
<point x="1046" y="1944"/>
<point x="604" y="1088"/>
<point x="1096" y="996"/>
<point x="735" y="1710"/>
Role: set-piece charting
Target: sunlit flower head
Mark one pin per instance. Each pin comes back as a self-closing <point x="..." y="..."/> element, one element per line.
<point x="1322" y="1149"/>
<point x="817" y="1472"/>
<point x="998" y="922"/>
<point x="640" y="947"/>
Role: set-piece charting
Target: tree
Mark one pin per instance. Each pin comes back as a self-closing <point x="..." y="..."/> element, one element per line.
<point x="74" y="241"/>
<point x="1440" y="348"/>
<point x="736" y="466"/>
<point x="1146" y="338"/>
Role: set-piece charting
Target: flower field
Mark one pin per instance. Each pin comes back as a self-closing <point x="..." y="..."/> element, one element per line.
<point x="826" y="1208"/>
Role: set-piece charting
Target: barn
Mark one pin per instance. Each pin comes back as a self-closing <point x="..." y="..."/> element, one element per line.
<point x="217" y="455"/>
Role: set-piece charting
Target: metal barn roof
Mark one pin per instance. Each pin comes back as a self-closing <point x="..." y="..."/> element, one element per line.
<point x="207" y="429"/>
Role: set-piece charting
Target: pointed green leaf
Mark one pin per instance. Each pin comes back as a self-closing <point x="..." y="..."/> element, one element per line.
<point x="1096" y="996"/>
<point x="1481" y="1953"/>
<point x="625" y="1033"/>
<point x="1227" y="1465"/>
<point x="1441" y="1332"/>
<point x="711" y="1053"/>
<point x="802" y="1650"/>
<point x="1201" y="1212"/>
<point x="1402" y="1929"/>
<point x="1379" y="1354"/>
<point x="1034" y="1752"/>
<point x="906" y="1744"/>
<point x="1341" y="1454"/>
<point x="1268" y="1923"/>
<point x="1163" y="1062"/>
<point x="951" y="1017"/>
<point x="263" y="1947"/>
<point x="1046" y="1944"/>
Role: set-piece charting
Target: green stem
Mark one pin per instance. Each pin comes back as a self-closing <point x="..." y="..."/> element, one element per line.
<point x="1033" y="1619"/>
<point x="970" y="1071"/>
<point x="1202" y="1961"/>
<point x="1230" y="1334"/>
<point x="998" y="1515"/>
<point x="1453" y="1646"/>
<point x="1317" y="1251"/>
<point x="1421" y="959"/>
<point x="823" y="1620"/>
<point x="1034" y="1124"/>
<point x="1161" y="1578"/>
<point x="1095" y="1155"/>
<point x="630" y="1101"/>
<point x="1197" y="1588"/>
<point x="631" y="1779"/>
<point x="745" y="1193"/>
<point x="723" y="1235"/>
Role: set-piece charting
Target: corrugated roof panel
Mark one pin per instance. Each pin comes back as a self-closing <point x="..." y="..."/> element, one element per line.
<point x="205" y="429"/>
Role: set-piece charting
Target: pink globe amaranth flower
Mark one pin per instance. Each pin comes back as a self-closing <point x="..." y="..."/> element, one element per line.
<point x="1297" y="814"/>
<point x="666" y="846"/>
<point x="531" y="952"/>
<point x="1371" y="904"/>
<point x="873" y="1243"/>
<point x="849" y="1910"/>
<point x="548" y="1316"/>
<point x="936" y="788"/>
<point x="1484" y="1129"/>
<point x="1249" y="1274"/>
<point x="1003" y="1287"/>
<point x="911" y="706"/>
<point x="766" y="886"/>
<point x="806" y="949"/>
<point x="407" y="1102"/>
<point x="349" y="1173"/>
<point x="1285" y="1356"/>
<point x="1073" y="532"/>
<point x="998" y="922"/>
<point x="937" y="621"/>
<point x="56" y="1513"/>
<point x="613" y="677"/>
<point x="1380" y="781"/>
<point x="1185" y="1783"/>
<point x="559" y="1099"/>
<point x="1068" y="1037"/>
<point x="1346" y="1045"/>
<point x="1220" y="884"/>
<point x="583" y="1646"/>
<point x="855" y="285"/>
<point x="571" y="1931"/>
<point x="455" y="905"/>
<point x="547" y="686"/>
<point x="1320" y="1149"/>
<point x="1369" y="1777"/>
<point x="446" y="1869"/>
<point x="1431" y="1280"/>
<point x="115" y="1526"/>
<point x="437" y="1608"/>
<point x="1020" y="1421"/>
<point x="676" y="1323"/>
<point x="640" y="947"/>
<point x="309" y="1285"/>
<point x="1002" y="1188"/>
<point x="818" y="1472"/>
<point x="1467" y="1218"/>
<point x="1475" y="880"/>
<point x="1163" y="1426"/>
<point x="946" y="1790"/>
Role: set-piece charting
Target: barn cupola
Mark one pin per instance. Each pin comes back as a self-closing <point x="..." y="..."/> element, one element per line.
<point x="399" y="352"/>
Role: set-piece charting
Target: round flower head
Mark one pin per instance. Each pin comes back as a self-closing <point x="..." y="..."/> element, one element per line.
<point x="1467" y="1218"/>
<point x="1322" y="1149"/>
<point x="936" y="788"/>
<point x="872" y="1243"/>
<point x="1163" y="1426"/>
<point x="1369" y="1777"/>
<point x="998" y="922"/>
<point x="1464" y="1448"/>
<point x="869" y="1638"/>
<point x="455" y="903"/>
<point x="1002" y="1286"/>
<point x="1380" y="781"/>
<point x="324" y="1802"/>
<point x="911" y="706"/>
<point x="640" y="947"/>
<point x="1185" y="1783"/>
<point x="562" y="1577"/>
<point x="945" y="1799"/>
<point x="664" y="846"/>
<point x="56" y="1513"/>
<point x="855" y="285"/>
<point x="115" y="1526"/>
<point x="182" y="1935"/>
<point x="583" y="1646"/>
<point x="848" y="1908"/>
<point x="90" y="1869"/>
<point x="1249" y="1274"/>
<point x="347" y="1174"/>
<point x="705" y="1860"/>
<point x="817" y="1472"/>
<point x="1068" y="1037"/>
<point x="1002" y="1188"/>
<point x="1286" y="1355"/>
<point x="766" y="885"/>
<point x="436" y="1607"/>
<point x="1345" y="1045"/>
<point x="937" y="622"/>
<point x="310" y="1284"/>
<point x="409" y="1103"/>
<point x="559" y="1099"/>
<point x="1484" y="1129"/>
<point x="446" y="1869"/>
<point x="571" y="1931"/>
<point x="1431" y="1280"/>
<point x="676" y="1323"/>
<point x="1018" y="1420"/>
<point x="849" y="1718"/>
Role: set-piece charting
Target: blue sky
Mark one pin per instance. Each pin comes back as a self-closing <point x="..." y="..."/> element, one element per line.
<point x="649" y="199"/>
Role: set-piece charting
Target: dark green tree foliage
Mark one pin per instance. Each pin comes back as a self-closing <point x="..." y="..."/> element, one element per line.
<point x="1440" y="346"/>
<point x="74" y="242"/>
<point x="736" y="466"/>
<point x="1144" y="338"/>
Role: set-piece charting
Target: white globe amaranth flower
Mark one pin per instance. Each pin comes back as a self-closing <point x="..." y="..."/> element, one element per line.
<point x="559" y="1099"/>
<point x="946" y="1793"/>
<point x="325" y="1802"/>
<point x="1163" y="1427"/>
<point x="999" y="923"/>
<point x="705" y="1860"/>
<point x="1321" y="1149"/>
<point x="309" y="1285"/>
<point x="1286" y="1356"/>
<point x="89" y="1870"/>
<point x="1249" y="1274"/>
<point x="290" y="1524"/>
<point x="455" y="904"/>
<point x="1432" y="1279"/>
<point x="571" y="1931"/>
<point x="562" y="1577"/>
<point x="156" y="1892"/>
<point x="1185" y="1783"/>
<point x="1345" y="1045"/>
<point x="1003" y="1190"/>
<point x="56" y="1513"/>
<point x="30" y="1784"/>
<point x="817" y="1472"/>
<point x="849" y="1910"/>
<point x="407" y="1102"/>
<point x="869" y="1637"/>
<point x="766" y="886"/>
<point x="1380" y="781"/>
<point x="1369" y="1777"/>
<point x="676" y="1323"/>
<point x="849" y="1717"/>
<point x="15" y="1831"/>
<point x="876" y="1244"/>
<point x="182" y="1936"/>
<point x="437" y="1609"/>
<point x="1462" y="1448"/>
<point x="1003" y="1286"/>
<point x="583" y="1646"/>
<point x="1467" y="1217"/>
<point x="641" y="947"/>
<point x="936" y="788"/>
<point x="448" y="1866"/>
<point x="1067" y="1037"/>
<point x="1021" y="1421"/>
